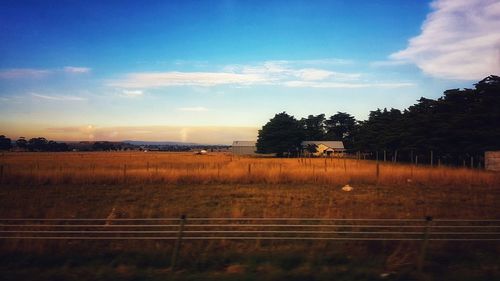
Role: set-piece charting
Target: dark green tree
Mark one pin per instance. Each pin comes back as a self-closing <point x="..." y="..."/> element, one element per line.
<point x="38" y="144"/>
<point x="341" y="126"/>
<point x="311" y="148"/>
<point x="22" y="143"/>
<point x="460" y="125"/>
<point x="314" y="127"/>
<point x="283" y="134"/>
<point x="5" y="143"/>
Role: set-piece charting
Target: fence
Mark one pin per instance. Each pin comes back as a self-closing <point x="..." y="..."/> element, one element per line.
<point x="181" y="229"/>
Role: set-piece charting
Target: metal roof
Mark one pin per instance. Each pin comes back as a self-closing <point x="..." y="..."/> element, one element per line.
<point x="330" y="144"/>
<point x="244" y="143"/>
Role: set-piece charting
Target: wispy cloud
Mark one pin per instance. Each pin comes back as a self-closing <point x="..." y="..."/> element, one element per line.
<point x="266" y="73"/>
<point x="77" y="69"/>
<point x="24" y="73"/>
<point x="174" y="78"/>
<point x="460" y="39"/>
<point x="193" y="109"/>
<point x="389" y="63"/>
<point x="333" y="85"/>
<point x="58" y="97"/>
<point x="16" y="73"/>
<point x="132" y="93"/>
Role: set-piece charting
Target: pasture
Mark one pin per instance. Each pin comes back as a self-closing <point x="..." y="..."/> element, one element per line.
<point x="166" y="185"/>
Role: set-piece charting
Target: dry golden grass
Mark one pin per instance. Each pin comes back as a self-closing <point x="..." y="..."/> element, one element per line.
<point x="160" y="185"/>
<point x="185" y="168"/>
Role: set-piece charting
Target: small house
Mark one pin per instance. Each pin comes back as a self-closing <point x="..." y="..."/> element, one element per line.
<point x="324" y="148"/>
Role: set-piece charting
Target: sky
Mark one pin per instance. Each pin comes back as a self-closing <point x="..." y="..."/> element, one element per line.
<point x="216" y="71"/>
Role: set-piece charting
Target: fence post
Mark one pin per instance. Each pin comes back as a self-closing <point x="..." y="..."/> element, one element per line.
<point x="423" y="249"/>
<point x="177" y="246"/>
<point x="432" y="158"/>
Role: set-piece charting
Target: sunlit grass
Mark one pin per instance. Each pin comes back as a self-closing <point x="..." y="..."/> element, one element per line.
<point x="186" y="168"/>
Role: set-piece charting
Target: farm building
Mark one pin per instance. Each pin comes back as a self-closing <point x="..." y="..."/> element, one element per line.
<point x="492" y="160"/>
<point x="244" y="147"/>
<point x="325" y="148"/>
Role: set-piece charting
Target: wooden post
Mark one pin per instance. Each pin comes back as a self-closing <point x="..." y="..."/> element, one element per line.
<point x="411" y="156"/>
<point x="395" y="156"/>
<point x="378" y="171"/>
<point x="385" y="156"/>
<point x="432" y="158"/>
<point x="423" y="249"/>
<point x="178" y="242"/>
<point x="439" y="162"/>
<point x="472" y="162"/>
<point x="416" y="160"/>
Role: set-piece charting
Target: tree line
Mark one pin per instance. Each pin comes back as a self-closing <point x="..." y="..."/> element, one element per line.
<point x="460" y="125"/>
<point x="41" y="144"/>
<point x="33" y="144"/>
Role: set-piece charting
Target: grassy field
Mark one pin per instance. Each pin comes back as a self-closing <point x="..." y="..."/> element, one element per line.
<point x="186" y="168"/>
<point x="135" y="185"/>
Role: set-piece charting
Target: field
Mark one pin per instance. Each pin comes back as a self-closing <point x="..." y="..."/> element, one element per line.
<point x="184" y="168"/>
<point x="156" y="185"/>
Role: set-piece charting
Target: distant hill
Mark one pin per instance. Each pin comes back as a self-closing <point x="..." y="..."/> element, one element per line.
<point x="161" y="143"/>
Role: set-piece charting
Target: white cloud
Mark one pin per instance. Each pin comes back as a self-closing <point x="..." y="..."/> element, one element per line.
<point x="39" y="73"/>
<point x="460" y="39"/>
<point x="266" y="73"/>
<point x="193" y="109"/>
<point x="76" y="69"/>
<point x="389" y="63"/>
<point x="333" y="85"/>
<point x="174" y="78"/>
<point x="58" y="97"/>
<point x="24" y="73"/>
<point x="132" y="93"/>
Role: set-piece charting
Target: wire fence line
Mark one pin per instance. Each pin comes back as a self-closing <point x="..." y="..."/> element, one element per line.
<point x="359" y="229"/>
<point x="182" y="229"/>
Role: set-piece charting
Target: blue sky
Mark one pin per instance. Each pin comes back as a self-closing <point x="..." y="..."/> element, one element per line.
<point x="214" y="71"/>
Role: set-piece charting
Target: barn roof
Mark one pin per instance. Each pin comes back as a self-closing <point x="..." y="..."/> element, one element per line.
<point x="330" y="144"/>
<point x="244" y="143"/>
